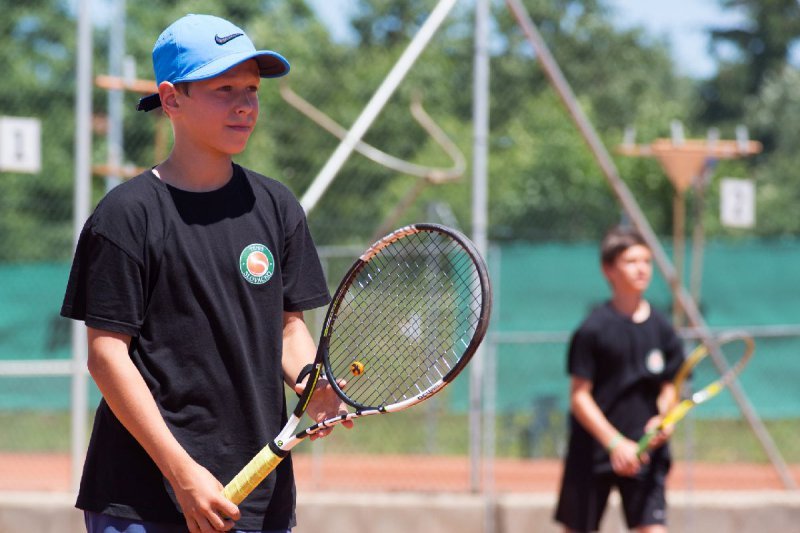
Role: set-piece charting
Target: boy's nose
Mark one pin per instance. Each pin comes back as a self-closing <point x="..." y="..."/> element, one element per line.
<point x="247" y="102"/>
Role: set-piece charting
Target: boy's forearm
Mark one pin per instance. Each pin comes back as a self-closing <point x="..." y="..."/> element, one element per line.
<point x="299" y="348"/>
<point x="589" y="415"/>
<point x="130" y="399"/>
<point x="667" y="398"/>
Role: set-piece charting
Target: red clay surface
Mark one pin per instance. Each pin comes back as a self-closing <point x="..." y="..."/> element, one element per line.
<point x="42" y="472"/>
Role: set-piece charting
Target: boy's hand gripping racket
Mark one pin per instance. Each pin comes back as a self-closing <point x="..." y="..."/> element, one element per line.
<point x="731" y="345"/>
<point x="405" y="320"/>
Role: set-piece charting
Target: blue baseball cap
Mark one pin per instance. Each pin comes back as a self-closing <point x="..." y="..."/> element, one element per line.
<point x="198" y="47"/>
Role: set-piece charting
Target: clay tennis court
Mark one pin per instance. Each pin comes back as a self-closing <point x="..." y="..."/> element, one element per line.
<point x="51" y="472"/>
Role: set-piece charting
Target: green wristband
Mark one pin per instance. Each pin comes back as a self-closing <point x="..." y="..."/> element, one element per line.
<point x="614" y="442"/>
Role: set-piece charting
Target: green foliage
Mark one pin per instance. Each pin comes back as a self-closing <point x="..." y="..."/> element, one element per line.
<point x="544" y="183"/>
<point x="758" y="87"/>
<point x="761" y="48"/>
<point x="557" y="190"/>
<point x="775" y="116"/>
<point x="37" y="63"/>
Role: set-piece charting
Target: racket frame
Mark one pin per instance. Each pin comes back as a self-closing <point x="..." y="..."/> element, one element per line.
<point x="477" y="337"/>
<point x="728" y="375"/>
<point x="276" y="450"/>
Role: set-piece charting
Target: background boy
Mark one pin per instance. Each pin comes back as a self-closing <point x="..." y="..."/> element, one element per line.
<point x="621" y="361"/>
<point x="192" y="279"/>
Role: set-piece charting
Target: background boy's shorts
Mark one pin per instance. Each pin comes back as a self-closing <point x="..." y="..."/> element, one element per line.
<point x="103" y="523"/>
<point x="584" y="496"/>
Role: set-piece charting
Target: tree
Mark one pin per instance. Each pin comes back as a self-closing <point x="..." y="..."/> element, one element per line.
<point x="541" y="172"/>
<point x="774" y="114"/>
<point x="37" y="62"/>
<point x="754" y="86"/>
<point x="544" y="182"/>
<point x="761" y="47"/>
<point x="620" y="79"/>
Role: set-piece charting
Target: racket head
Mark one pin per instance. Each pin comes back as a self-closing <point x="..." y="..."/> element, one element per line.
<point x="699" y="368"/>
<point x="406" y="318"/>
<point x="708" y="378"/>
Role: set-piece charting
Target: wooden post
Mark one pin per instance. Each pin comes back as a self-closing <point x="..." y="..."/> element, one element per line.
<point x="145" y="87"/>
<point x="684" y="161"/>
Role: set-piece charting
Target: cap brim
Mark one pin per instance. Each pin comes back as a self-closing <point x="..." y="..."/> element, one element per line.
<point x="270" y="65"/>
<point x="148" y="103"/>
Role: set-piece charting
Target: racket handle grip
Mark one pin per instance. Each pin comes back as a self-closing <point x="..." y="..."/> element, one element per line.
<point x="673" y="416"/>
<point x="644" y="442"/>
<point x="251" y="475"/>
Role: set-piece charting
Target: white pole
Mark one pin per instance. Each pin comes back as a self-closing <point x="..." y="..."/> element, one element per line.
<point x="480" y="125"/>
<point x="116" y="61"/>
<point x="82" y="198"/>
<point x="373" y="108"/>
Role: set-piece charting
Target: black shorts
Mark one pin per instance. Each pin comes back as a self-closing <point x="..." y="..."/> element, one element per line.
<point x="583" y="497"/>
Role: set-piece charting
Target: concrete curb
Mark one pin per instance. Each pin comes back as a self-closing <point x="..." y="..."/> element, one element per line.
<point x="720" y="512"/>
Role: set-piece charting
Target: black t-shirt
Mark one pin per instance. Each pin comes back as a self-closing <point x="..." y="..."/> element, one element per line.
<point x="627" y="363"/>
<point x="200" y="282"/>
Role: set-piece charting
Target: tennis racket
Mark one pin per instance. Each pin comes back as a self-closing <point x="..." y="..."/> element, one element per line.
<point x="735" y="348"/>
<point x="405" y="320"/>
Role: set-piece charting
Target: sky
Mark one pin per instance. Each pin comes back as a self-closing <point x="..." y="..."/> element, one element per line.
<point x="681" y="22"/>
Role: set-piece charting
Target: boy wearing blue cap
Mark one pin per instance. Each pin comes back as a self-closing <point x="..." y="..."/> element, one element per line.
<point x="192" y="279"/>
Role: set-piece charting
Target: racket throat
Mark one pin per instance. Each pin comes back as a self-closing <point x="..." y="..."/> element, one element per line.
<point x="285" y="440"/>
<point x="274" y="448"/>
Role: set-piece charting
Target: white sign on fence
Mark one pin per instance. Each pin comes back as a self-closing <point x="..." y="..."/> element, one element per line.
<point x="20" y="145"/>
<point x="737" y="203"/>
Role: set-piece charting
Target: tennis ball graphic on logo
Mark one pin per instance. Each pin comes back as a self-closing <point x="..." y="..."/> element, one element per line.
<point x="257" y="263"/>
<point x="356" y="368"/>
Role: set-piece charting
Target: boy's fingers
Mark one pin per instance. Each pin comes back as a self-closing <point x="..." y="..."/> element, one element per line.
<point x="228" y="509"/>
<point x="219" y="523"/>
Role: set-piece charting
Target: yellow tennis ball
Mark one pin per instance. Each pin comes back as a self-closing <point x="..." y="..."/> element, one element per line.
<point x="356" y="368"/>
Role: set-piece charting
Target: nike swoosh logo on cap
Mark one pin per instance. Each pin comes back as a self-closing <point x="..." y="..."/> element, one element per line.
<point x="222" y="40"/>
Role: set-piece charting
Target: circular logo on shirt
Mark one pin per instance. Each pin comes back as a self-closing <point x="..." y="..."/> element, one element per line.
<point x="256" y="264"/>
<point x="655" y="361"/>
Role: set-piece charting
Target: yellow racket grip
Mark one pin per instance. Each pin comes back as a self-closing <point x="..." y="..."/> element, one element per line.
<point x="675" y="414"/>
<point x="251" y="475"/>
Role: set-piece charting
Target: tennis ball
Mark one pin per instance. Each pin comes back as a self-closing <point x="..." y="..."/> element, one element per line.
<point x="356" y="368"/>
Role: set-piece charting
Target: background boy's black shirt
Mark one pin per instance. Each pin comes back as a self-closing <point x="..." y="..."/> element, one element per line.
<point x="627" y="363"/>
<point x="163" y="266"/>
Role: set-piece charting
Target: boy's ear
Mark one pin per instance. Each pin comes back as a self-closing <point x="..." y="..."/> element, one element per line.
<point x="167" y="92"/>
<point x="606" y="270"/>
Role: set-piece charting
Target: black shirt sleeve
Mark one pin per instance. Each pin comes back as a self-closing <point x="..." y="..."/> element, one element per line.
<point x="106" y="282"/>
<point x="304" y="285"/>
<point x="105" y="286"/>
<point x="581" y="358"/>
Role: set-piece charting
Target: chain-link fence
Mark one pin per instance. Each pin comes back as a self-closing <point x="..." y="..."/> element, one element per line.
<point x="36" y="182"/>
<point x="411" y="166"/>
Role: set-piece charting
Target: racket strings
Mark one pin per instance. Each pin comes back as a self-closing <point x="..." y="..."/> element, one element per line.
<point x="419" y="372"/>
<point x="407" y="319"/>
